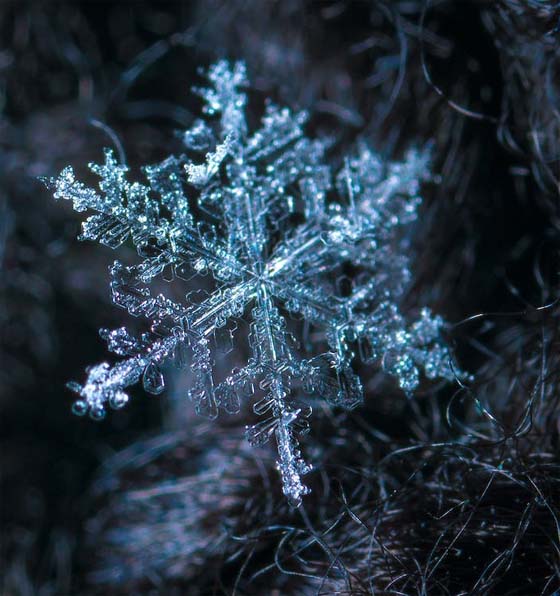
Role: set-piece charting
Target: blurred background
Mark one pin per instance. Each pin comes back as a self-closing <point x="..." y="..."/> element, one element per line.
<point x="453" y="492"/>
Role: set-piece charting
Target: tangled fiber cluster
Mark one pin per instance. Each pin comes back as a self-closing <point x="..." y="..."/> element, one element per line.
<point x="455" y="491"/>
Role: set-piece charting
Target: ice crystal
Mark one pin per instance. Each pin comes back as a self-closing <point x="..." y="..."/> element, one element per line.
<point x="283" y="238"/>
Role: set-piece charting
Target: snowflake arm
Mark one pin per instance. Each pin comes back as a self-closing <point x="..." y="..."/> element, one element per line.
<point x="175" y="328"/>
<point x="126" y="210"/>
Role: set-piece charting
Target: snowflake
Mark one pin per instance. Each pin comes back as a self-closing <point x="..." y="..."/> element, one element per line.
<point x="284" y="239"/>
